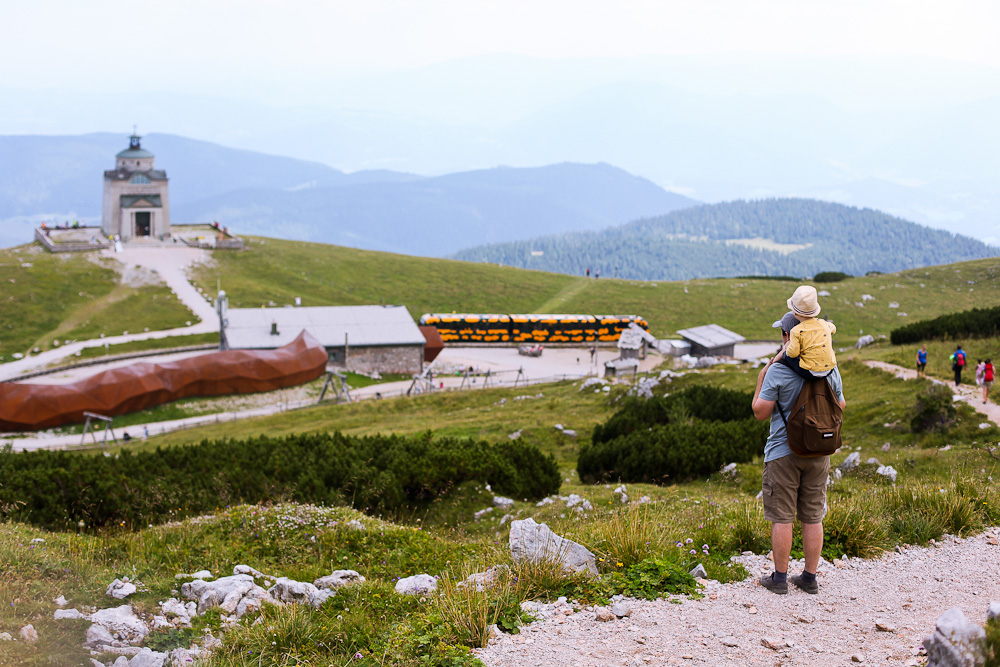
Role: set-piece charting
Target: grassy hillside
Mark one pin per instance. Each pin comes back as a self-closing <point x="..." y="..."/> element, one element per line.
<point x="50" y="297"/>
<point x="276" y="271"/>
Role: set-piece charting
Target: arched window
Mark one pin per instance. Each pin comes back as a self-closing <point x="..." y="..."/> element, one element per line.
<point x="140" y="179"/>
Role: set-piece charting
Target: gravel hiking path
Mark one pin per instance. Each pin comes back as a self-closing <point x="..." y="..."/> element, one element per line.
<point x="969" y="393"/>
<point x="903" y="593"/>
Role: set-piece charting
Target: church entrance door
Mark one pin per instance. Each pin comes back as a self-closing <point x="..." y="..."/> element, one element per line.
<point x="142" y="223"/>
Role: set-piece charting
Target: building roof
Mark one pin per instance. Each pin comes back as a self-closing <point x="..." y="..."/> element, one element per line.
<point x="364" y="326"/>
<point x="128" y="201"/>
<point x="711" y="336"/>
<point x="631" y="337"/>
<point x="134" y="153"/>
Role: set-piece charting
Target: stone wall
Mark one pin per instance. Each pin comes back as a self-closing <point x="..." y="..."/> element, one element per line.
<point x="405" y="359"/>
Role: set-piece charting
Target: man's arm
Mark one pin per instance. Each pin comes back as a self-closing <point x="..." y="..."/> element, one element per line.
<point x="763" y="408"/>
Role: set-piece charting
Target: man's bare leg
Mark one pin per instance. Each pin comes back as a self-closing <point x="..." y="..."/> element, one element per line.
<point x="781" y="545"/>
<point x="812" y="545"/>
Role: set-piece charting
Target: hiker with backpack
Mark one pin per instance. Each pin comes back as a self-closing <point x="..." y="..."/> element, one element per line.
<point x="805" y="416"/>
<point x="987" y="379"/>
<point x="958" y="364"/>
<point x="922" y="362"/>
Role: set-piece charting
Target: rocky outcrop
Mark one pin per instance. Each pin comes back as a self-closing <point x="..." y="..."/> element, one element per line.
<point x="237" y="594"/>
<point x="531" y="541"/>
<point x="955" y="642"/>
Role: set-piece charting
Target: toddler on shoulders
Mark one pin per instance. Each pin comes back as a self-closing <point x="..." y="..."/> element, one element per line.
<point x="810" y="347"/>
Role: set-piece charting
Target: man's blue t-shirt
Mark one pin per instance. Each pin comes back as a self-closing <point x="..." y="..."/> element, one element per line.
<point x="782" y="384"/>
<point x="922" y="356"/>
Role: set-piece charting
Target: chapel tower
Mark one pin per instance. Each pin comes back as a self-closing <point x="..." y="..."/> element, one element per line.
<point x="135" y="196"/>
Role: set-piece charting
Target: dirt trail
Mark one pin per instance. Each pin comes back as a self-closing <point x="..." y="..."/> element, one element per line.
<point x="904" y="592"/>
<point x="969" y="393"/>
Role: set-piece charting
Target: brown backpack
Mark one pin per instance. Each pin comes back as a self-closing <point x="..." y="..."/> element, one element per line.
<point x="813" y="427"/>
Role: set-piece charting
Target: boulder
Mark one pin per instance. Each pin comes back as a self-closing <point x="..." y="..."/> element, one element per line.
<point x="864" y="340"/>
<point x="852" y="461"/>
<point x="338" y="579"/>
<point x="68" y="613"/>
<point x="289" y="590"/>
<point x="148" y="658"/>
<point x="955" y="642"/>
<point x="236" y="594"/>
<point x="29" y="634"/>
<point x="120" y="590"/>
<point x="121" y="622"/>
<point x="699" y="572"/>
<point x="418" y="584"/>
<point x="888" y="472"/>
<point x="483" y="579"/>
<point x="98" y="635"/>
<point x="532" y="541"/>
<point x="503" y="503"/>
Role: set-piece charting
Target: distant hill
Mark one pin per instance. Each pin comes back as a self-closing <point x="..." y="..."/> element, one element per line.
<point x="253" y="193"/>
<point x="440" y="215"/>
<point x="797" y="237"/>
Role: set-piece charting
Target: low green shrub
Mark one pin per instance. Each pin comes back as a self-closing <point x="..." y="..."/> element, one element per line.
<point x="992" y="643"/>
<point x="934" y="410"/>
<point x="974" y="323"/>
<point x="831" y="276"/>
<point x="652" y="578"/>
<point x="856" y="527"/>
<point x="698" y="402"/>
<point x="377" y="473"/>
<point x="672" y="452"/>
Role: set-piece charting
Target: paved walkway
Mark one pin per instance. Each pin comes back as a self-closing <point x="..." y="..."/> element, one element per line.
<point x="170" y="264"/>
<point x="969" y="393"/>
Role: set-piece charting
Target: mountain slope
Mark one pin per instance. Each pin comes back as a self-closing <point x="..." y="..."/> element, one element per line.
<point x="798" y="237"/>
<point x="437" y="216"/>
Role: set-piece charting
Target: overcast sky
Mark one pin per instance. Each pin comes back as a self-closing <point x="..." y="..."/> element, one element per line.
<point x="101" y="44"/>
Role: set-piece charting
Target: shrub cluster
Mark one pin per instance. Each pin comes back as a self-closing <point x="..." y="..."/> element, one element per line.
<point x="377" y="473"/>
<point x="975" y="323"/>
<point x="934" y="410"/>
<point x="673" y="438"/>
<point x="830" y="276"/>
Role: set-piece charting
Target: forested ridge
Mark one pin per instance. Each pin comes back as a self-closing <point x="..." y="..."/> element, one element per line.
<point x="692" y="243"/>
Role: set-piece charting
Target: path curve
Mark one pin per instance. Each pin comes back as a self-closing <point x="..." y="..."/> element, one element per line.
<point x="171" y="265"/>
<point x="968" y="393"/>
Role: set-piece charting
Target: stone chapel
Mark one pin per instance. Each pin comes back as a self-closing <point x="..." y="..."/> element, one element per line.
<point x="135" y="196"/>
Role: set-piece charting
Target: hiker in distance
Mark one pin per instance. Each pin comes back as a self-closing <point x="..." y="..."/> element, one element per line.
<point x="958" y="360"/>
<point x="794" y="484"/>
<point x="922" y="362"/>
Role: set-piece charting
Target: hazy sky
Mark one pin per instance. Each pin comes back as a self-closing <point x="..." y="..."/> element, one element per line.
<point x="98" y="44"/>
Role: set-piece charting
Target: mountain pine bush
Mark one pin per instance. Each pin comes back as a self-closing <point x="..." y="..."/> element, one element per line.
<point x="376" y="473"/>
<point x="691" y="433"/>
<point x="975" y="323"/>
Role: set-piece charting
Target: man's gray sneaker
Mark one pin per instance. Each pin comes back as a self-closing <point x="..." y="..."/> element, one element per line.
<point x="808" y="586"/>
<point x="770" y="584"/>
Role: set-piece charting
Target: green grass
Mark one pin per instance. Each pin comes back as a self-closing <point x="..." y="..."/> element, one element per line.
<point x="147" y="345"/>
<point x="271" y="270"/>
<point x="58" y="297"/>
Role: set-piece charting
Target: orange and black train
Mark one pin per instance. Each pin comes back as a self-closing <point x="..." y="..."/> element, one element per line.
<point x="501" y="328"/>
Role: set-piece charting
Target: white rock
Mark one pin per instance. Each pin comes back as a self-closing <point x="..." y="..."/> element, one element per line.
<point x="531" y="541"/>
<point x="61" y="601"/>
<point x="574" y="500"/>
<point x="237" y="593"/>
<point x="147" y="658"/>
<point x="242" y="569"/>
<point x="699" y="572"/>
<point x="603" y="614"/>
<point x="729" y="469"/>
<point x="956" y="641"/>
<point x="418" y="584"/>
<point x="481" y="513"/>
<point x="98" y="635"/>
<point x="872" y="461"/>
<point x="122" y="661"/>
<point x="120" y="590"/>
<point x="356" y="525"/>
<point x="483" y="579"/>
<point x="289" y="590"/>
<point x="864" y="340"/>
<point x="5" y="637"/>
<point x="823" y="292"/>
<point x="503" y="503"/>
<point x="338" y="579"/>
<point x="160" y="622"/>
<point x="993" y="611"/>
<point x="28" y="634"/>
<point x="68" y="613"/>
<point x="184" y="657"/>
<point x="569" y="433"/>
<point x="888" y="472"/>
<point x="121" y="622"/>
<point x="851" y="462"/>
<point x="621" y="610"/>
<point x="174" y="608"/>
<point x="558" y="427"/>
